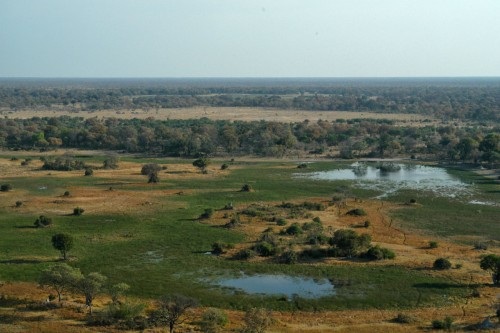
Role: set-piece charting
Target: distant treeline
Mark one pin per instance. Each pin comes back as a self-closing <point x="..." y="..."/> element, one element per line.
<point x="204" y="137"/>
<point x="444" y="100"/>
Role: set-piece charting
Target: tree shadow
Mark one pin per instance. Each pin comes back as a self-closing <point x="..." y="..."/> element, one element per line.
<point x="28" y="261"/>
<point x="441" y="285"/>
<point x="25" y="227"/>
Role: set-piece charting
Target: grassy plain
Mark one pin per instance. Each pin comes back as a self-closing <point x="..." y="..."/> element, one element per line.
<point x="149" y="237"/>
<point x="223" y="113"/>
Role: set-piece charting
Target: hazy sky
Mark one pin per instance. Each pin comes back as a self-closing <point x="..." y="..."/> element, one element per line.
<point x="249" y="38"/>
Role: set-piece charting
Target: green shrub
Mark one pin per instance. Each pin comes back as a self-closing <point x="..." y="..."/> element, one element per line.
<point x="294" y="230"/>
<point x="224" y="166"/>
<point x="281" y="222"/>
<point x="208" y="213"/>
<point x="445" y="324"/>
<point x="265" y="249"/>
<point x="379" y="253"/>
<point x="77" y="211"/>
<point x="89" y="172"/>
<point x="317" y="219"/>
<point x="433" y="245"/>
<point x="442" y="264"/>
<point x="246" y="188"/>
<point x="302" y="166"/>
<point x="289" y="257"/>
<point x="213" y="321"/>
<point x="357" y="212"/>
<point x="43" y="221"/>
<point x="403" y="318"/>
<point x="66" y="194"/>
<point x="367" y="224"/>
<point x="19" y="204"/>
<point x="5" y="187"/>
<point x="245" y="254"/>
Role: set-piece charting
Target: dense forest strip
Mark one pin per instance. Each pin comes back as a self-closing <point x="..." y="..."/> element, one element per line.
<point x="200" y="137"/>
<point x="472" y="99"/>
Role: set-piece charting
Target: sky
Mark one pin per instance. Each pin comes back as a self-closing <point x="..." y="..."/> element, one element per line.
<point x="249" y="38"/>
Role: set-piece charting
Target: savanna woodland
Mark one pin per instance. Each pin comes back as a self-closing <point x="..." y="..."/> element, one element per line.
<point x="148" y="205"/>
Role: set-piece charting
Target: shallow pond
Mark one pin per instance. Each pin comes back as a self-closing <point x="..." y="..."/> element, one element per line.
<point x="390" y="178"/>
<point x="269" y="284"/>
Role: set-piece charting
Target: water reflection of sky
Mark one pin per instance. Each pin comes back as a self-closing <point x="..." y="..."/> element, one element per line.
<point x="405" y="176"/>
<point x="280" y="285"/>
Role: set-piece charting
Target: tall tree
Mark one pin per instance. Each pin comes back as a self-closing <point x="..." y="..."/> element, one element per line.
<point x="60" y="278"/>
<point x="91" y="286"/>
<point x="63" y="243"/>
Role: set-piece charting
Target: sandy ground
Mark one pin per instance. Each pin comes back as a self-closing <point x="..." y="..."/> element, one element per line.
<point x="227" y="113"/>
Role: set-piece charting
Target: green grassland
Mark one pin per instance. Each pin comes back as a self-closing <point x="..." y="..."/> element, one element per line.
<point x="160" y="249"/>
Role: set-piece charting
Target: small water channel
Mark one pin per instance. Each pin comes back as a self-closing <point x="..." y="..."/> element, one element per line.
<point x="391" y="177"/>
<point x="271" y="284"/>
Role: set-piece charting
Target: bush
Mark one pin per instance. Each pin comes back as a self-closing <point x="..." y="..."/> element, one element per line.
<point x="445" y="324"/>
<point x="413" y="201"/>
<point x="43" y="221"/>
<point x="77" y="211"/>
<point x="442" y="264"/>
<point x="213" y="321"/>
<point x="317" y="219"/>
<point x="281" y="222"/>
<point x="367" y="224"/>
<point x="208" y="213"/>
<point x="265" y="249"/>
<point x="317" y="239"/>
<point x="229" y="206"/>
<point x="302" y="166"/>
<point x="5" y="187"/>
<point x="66" y="194"/>
<point x="150" y="168"/>
<point x="89" y="172"/>
<point x="379" y="253"/>
<point x="403" y="318"/>
<point x="357" y="212"/>
<point x="289" y="257"/>
<point x="235" y="222"/>
<point x="19" y="204"/>
<point x="224" y="166"/>
<point x="220" y="247"/>
<point x="348" y="243"/>
<point x="294" y="229"/>
<point x="433" y="245"/>
<point x="245" y="254"/>
<point x="246" y="188"/>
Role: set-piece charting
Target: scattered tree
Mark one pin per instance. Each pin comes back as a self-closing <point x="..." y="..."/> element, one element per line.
<point x="202" y="163"/>
<point x="257" y="321"/>
<point x="491" y="263"/>
<point x="111" y="162"/>
<point x="117" y="291"/>
<point x="90" y="286"/>
<point x="213" y="321"/>
<point x="149" y="168"/>
<point x="77" y="211"/>
<point x="63" y="243"/>
<point x="43" y="221"/>
<point x="60" y="278"/>
<point x="442" y="264"/>
<point x="153" y="177"/>
<point x="246" y="188"/>
<point x="171" y="309"/>
<point x="5" y="187"/>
